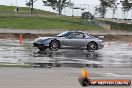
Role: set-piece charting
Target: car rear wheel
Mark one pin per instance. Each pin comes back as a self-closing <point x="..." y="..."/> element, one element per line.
<point x="54" y="45"/>
<point x="92" y="46"/>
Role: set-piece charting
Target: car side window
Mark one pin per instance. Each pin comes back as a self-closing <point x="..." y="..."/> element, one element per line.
<point x="77" y="35"/>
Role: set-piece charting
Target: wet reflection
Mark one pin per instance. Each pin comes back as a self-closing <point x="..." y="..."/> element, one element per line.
<point x="68" y="58"/>
<point x="69" y="54"/>
<point x="118" y="54"/>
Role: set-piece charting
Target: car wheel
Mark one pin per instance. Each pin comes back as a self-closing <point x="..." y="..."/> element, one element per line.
<point x="54" y="45"/>
<point x="92" y="46"/>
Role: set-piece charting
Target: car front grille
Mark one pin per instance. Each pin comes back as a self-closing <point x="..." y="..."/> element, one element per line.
<point x="35" y="45"/>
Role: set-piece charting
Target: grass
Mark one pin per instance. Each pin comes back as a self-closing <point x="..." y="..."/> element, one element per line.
<point x="43" y="23"/>
<point x="40" y="20"/>
<point x="22" y="10"/>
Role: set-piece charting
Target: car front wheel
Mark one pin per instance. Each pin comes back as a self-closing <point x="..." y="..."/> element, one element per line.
<point x="92" y="46"/>
<point x="54" y="45"/>
<point x="42" y="48"/>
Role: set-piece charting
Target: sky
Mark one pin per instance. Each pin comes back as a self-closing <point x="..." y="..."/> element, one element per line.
<point x="40" y="5"/>
<point x="21" y="2"/>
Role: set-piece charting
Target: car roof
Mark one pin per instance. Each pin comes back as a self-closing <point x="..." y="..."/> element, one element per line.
<point x="74" y="31"/>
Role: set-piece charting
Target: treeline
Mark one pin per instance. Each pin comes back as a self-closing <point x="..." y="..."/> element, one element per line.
<point x="104" y="4"/>
<point x="59" y="5"/>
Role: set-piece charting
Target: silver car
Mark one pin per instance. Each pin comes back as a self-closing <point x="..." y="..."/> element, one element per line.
<point x="69" y="40"/>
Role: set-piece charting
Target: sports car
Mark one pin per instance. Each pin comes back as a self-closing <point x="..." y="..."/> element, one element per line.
<point x="69" y="40"/>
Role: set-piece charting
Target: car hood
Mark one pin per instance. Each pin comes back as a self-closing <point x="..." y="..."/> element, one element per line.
<point x="43" y="38"/>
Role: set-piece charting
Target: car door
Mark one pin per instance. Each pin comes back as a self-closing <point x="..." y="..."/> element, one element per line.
<point x="75" y="40"/>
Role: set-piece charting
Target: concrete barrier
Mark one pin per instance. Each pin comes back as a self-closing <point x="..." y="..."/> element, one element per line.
<point x="103" y="25"/>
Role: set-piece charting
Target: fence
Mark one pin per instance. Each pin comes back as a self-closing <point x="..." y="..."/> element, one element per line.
<point x="78" y="9"/>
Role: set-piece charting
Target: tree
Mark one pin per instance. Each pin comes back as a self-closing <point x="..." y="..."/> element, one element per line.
<point x="113" y="5"/>
<point x="102" y="8"/>
<point x="30" y="3"/>
<point x="126" y="5"/>
<point x="104" y="4"/>
<point x="57" y="5"/>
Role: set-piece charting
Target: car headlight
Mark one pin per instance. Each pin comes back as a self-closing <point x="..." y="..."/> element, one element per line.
<point x="36" y="40"/>
<point x="101" y="41"/>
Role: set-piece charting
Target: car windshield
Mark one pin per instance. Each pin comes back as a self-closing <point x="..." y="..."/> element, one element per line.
<point x="64" y="34"/>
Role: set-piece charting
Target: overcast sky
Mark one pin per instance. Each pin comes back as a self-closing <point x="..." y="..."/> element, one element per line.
<point x="39" y="3"/>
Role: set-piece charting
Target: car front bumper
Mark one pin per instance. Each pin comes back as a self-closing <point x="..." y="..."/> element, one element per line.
<point x="101" y="45"/>
<point x="38" y="45"/>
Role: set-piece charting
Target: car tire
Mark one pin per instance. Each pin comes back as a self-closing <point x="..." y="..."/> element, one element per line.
<point x="54" y="45"/>
<point x="92" y="46"/>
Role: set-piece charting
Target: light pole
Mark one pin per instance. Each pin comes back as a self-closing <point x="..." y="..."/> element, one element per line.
<point x="130" y="1"/>
<point x="72" y="7"/>
<point x="16" y="7"/>
<point x="16" y="3"/>
<point x="11" y="2"/>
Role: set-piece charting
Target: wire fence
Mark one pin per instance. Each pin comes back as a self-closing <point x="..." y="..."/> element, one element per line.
<point x="118" y="16"/>
<point x="78" y="9"/>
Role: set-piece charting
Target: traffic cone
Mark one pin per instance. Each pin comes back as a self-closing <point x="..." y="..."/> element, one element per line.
<point x="20" y="39"/>
<point x="86" y="74"/>
<point x="109" y="43"/>
<point x="83" y="72"/>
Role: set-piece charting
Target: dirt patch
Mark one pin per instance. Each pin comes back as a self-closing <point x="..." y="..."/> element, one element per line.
<point x="126" y="38"/>
<point x="25" y="36"/>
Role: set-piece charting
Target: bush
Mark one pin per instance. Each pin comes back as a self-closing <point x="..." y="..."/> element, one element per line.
<point x="87" y="15"/>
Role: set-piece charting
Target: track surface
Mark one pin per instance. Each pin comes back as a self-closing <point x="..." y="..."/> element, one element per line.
<point x="114" y="54"/>
<point x="114" y="61"/>
<point x="58" y="77"/>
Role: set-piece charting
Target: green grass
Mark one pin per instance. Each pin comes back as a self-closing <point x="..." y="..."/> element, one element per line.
<point x="43" y="23"/>
<point x="6" y="8"/>
<point x="40" y="20"/>
<point x="22" y="10"/>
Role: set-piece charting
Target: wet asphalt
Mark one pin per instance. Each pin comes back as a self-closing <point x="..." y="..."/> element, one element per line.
<point x="61" y="69"/>
<point x="114" y="54"/>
